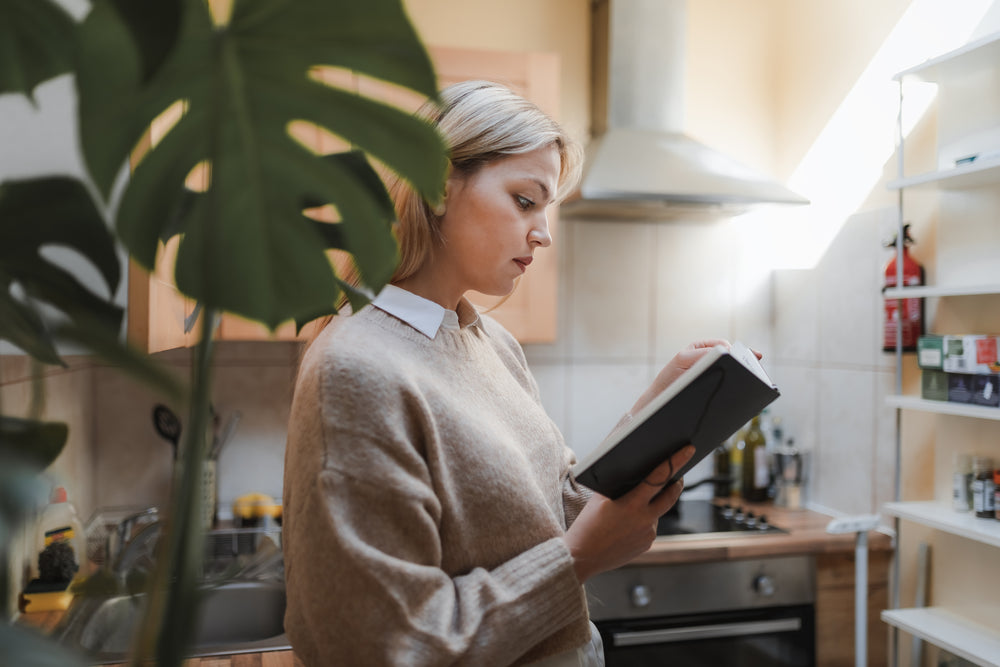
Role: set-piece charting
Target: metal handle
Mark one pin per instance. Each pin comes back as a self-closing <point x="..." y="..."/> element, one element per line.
<point x="716" y="631"/>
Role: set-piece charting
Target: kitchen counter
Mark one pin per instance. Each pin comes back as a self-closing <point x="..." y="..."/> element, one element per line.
<point x="806" y="535"/>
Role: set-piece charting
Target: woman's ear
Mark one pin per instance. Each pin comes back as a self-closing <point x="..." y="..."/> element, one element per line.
<point x="441" y="207"/>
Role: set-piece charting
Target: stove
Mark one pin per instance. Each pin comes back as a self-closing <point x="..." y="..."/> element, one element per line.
<point x="698" y="519"/>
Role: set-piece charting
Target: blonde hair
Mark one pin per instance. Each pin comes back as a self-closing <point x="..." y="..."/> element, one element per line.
<point x="481" y="122"/>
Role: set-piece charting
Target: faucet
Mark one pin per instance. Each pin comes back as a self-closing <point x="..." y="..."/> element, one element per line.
<point x="132" y="548"/>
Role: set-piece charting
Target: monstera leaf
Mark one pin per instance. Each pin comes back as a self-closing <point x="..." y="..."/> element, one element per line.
<point x="51" y="212"/>
<point x="36" y="44"/>
<point x="245" y="245"/>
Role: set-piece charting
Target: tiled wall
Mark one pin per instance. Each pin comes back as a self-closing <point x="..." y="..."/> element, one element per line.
<point x="631" y="295"/>
<point x="634" y="293"/>
<point x="136" y="463"/>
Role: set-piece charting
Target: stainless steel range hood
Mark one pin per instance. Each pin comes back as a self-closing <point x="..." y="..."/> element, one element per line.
<point x="640" y="163"/>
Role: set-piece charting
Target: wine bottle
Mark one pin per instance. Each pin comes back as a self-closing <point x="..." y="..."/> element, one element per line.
<point x="756" y="472"/>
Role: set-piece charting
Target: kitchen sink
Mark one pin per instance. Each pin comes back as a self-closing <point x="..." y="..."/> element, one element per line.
<point x="234" y="617"/>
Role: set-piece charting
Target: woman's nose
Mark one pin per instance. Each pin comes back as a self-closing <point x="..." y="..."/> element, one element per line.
<point x="539" y="234"/>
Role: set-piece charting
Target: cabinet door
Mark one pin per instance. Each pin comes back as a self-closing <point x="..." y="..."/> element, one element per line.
<point x="157" y="311"/>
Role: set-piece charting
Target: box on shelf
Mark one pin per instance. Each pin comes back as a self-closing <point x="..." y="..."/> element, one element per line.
<point x="960" y="387"/>
<point x="975" y="354"/>
<point x="974" y="389"/>
<point x="986" y="390"/>
<point x="930" y="352"/>
<point x="934" y="385"/>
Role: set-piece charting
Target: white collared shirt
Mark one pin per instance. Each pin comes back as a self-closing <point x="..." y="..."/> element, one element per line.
<point x="422" y="314"/>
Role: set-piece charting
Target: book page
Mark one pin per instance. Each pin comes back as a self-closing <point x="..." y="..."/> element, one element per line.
<point x="745" y="356"/>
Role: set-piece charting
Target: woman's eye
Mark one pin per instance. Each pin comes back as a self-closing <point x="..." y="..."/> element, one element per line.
<point x="523" y="202"/>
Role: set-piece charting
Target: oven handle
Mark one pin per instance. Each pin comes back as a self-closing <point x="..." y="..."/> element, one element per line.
<point x="719" y="630"/>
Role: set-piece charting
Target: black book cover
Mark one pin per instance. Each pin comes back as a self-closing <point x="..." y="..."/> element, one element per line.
<point x="704" y="406"/>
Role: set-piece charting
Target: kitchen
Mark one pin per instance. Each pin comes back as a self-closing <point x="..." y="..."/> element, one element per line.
<point x="765" y="80"/>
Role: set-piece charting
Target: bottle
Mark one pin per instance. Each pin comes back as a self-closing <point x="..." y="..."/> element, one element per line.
<point x="961" y="483"/>
<point x="982" y="486"/>
<point x="911" y="319"/>
<point x="59" y="521"/>
<point x="736" y="463"/>
<point x="720" y="470"/>
<point x="756" y="471"/>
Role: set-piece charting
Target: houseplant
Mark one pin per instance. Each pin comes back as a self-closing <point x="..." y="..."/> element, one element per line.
<point x="242" y="72"/>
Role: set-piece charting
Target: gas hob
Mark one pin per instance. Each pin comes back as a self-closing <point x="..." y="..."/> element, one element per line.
<point x="698" y="519"/>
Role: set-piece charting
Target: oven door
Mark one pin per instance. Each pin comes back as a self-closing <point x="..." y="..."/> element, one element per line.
<point x="771" y="637"/>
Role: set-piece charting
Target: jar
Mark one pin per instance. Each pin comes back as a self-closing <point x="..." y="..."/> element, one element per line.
<point x="982" y="487"/>
<point x="961" y="484"/>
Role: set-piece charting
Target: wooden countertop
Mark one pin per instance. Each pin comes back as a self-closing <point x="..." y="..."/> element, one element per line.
<point x="806" y="535"/>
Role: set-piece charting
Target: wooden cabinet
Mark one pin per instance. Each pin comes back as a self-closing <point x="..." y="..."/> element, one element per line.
<point x="963" y="604"/>
<point x="157" y="311"/>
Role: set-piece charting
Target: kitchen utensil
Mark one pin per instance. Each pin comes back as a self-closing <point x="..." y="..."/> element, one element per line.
<point x="168" y="425"/>
<point x="227" y="433"/>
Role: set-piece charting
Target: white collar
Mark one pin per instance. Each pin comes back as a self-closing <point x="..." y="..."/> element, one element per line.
<point x="422" y="314"/>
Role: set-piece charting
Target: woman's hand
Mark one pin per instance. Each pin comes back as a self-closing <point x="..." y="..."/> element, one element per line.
<point x="684" y="360"/>
<point x="609" y="533"/>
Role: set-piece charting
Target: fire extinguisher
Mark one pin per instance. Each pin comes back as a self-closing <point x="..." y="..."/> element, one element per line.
<point x="912" y="318"/>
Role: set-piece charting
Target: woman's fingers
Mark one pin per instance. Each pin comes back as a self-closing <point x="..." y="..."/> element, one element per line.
<point x="655" y="481"/>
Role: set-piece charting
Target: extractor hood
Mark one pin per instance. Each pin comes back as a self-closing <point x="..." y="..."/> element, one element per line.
<point x="640" y="164"/>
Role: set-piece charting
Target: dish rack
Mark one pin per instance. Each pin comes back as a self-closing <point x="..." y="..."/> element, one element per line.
<point x="222" y="545"/>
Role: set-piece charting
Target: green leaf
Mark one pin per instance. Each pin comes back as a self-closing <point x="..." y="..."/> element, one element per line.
<point x="34" y="442"/>
<point x="245" y="246"/>
<point x="36" y="44"/>
<point x="51" y="212"/>
<point x="23" y="326"/>
<point x="155" y="27"/>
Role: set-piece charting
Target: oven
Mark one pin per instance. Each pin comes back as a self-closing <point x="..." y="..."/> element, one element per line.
<point x="743" y="613"/>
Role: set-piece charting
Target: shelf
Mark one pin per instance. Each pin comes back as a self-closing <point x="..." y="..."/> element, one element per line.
<point x="942" y="517"/>
<point x="943" y="407"/>
<point x="974" y="56"/>
<point x="971" y="175"/>
<point x="940" y="290"/>
<point x="966" y="639"/>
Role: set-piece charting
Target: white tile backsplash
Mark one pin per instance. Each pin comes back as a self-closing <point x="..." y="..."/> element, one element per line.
<point x="694" y="272"/>
<point x="610" y="290"/>
<point x="843" y="464"/>
<point x="599" y="395"/>
<point x="849" y="292"/>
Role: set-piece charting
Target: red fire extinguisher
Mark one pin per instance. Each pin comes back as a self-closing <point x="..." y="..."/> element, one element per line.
<point x="912" y="318"/>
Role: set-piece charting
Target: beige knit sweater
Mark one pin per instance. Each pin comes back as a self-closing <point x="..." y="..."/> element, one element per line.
<point x="426" y="492"/>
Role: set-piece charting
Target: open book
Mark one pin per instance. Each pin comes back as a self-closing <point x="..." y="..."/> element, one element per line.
<point x="709" y="402"/>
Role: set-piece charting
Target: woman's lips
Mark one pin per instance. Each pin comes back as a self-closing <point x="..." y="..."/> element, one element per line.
<point x="522" y="262"/>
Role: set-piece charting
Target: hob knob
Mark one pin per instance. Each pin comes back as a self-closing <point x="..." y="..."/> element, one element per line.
<point x="641" y="595"/>
<point x="764" y="585"/>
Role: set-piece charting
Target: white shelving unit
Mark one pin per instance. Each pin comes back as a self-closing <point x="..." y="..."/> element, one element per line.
<point x="942" y="517"/>
<point x="940" y="626"/>
<point x="943" y="407"/>
<point x="939" y="290"/>
<point x="971" y="641"/>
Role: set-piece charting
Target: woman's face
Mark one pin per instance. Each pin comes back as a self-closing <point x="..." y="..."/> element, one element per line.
<point x="494" y="221"/>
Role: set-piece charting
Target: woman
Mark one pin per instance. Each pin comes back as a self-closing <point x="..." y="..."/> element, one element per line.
<point x="430" y="515"/>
